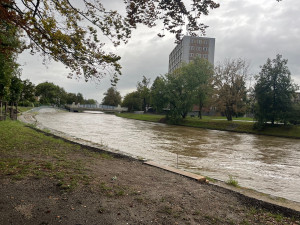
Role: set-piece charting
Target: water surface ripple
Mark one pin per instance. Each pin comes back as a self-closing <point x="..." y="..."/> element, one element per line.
<point x="267" y="164"/>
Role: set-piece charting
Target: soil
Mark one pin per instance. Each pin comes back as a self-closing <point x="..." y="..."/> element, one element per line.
<point x="125" y="191"/>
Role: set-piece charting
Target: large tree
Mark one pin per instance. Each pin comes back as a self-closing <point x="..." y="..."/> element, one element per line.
<point x="181" y="95"/>
<point x="15" y="91"/>
<point x="132" y="101"/>
<point x="201" y="71"/>
<point x="144" y="92"/>
<point x="274" y="91"/>
<point x="188" y="86"/>
<point x="112" y="97"/>
<point x="158" y="98"/>
<point x="28" y="93"/>
<point x="48" y="93"/>
<point x="69" y="31"/>
<point x="229" y="83"/>
<point x="9" y="47"/>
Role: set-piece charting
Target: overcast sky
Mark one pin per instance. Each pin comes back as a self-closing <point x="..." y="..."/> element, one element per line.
<point x="250" y="29"/>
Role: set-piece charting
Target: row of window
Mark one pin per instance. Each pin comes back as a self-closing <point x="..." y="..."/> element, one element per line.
<point x="197" y="41"/>
<point x="205" y="56"/>
<point x="194" y="48"/>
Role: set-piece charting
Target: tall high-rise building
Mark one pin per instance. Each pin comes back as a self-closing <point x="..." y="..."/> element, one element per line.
<point x="189" y="48"/>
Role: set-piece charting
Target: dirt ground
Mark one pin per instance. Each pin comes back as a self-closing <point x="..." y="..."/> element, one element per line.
<point x="124" y="191"/>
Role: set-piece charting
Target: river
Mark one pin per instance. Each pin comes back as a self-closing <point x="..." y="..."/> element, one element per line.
<point x="267" y="164"/>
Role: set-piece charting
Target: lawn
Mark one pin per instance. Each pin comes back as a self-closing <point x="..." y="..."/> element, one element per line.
<point x="25" y="152"/>
<point x="240" y="124"/>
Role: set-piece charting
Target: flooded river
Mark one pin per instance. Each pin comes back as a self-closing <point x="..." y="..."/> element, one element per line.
<point x="266" y="164"/>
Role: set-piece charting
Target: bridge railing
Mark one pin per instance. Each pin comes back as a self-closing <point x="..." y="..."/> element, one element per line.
<point x="98" y="106"/>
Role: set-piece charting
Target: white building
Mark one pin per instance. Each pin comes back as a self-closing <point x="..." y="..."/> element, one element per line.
<point x="189" y="48"/>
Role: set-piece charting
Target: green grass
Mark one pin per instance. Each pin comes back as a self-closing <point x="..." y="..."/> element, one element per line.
<point x="220" y="123"/>
<point x="20" y="109"/>
<point x="232" y="182"/>
<point x="144" y="117"/>
<point x="112" y="190"/>
<point x="23" y="109"/>
<point x="25" y="153"/>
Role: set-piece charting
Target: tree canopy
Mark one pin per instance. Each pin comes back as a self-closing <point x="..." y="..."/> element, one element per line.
<point x="112" y="97"/>
<point x="72" y="31"/>
<point x="9" y="69"/>
<point x="144" y="92"/>
<point x="187" y="86"/>
<point x="202" y="72"/>
<point x="229" y="83"/>
<point x="132" y="101"/>
<point x="158" y="94"/>
<point x="274" y="91"/>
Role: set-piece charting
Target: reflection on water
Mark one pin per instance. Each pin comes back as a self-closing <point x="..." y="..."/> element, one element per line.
<point x="266" y="164"/>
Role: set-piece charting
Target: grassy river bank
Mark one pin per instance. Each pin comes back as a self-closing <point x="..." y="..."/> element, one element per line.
<point x="241" y="125"/>
<point x="47" y="180"/>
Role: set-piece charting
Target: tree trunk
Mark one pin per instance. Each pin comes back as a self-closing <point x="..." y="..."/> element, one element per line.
<point x="16" y="110"/>
<point x="11" y="110"/>
<point x="228" y="115"/>
<point x="1" y="114"/>
<point x="144" y="105"/>
<point x="200" y="111"/>
<point x="5" y="110"/>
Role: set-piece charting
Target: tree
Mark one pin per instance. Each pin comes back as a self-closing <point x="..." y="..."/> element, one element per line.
<point x="181" y="93"/>
<point x="48" y="92"/>
<point x="28" y="93"/>
<point x="70" y="98"/>
<point x="132" y="101"/>
<point x="274" y="91"/>
<point x="229" y="83"/>
<point x="79" y="98"/>
<point x="9" y="47"/>
<point x="112" y="97"/>
<point x="15" y="91"/>
<point x="158" y="98"/>
<point x="90" y="101"/>
<point x="187" y="86"/>
<point x="180" y="96"/>
<point x="68" y="31"/>
<point x="144" y="92"/>
<point x="201" y="72"/>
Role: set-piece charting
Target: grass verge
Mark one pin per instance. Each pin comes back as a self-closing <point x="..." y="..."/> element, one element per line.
<point x="25" y="152"/>
<point x="217" y="123"/>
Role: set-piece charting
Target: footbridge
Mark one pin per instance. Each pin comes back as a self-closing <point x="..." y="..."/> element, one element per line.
<point x="102" y="108"/>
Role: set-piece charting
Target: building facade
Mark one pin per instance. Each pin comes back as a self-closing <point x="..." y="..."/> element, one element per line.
<point x="189" y="48"/>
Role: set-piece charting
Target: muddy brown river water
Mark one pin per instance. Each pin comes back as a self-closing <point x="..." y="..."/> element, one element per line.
<point x="267" y="164"/>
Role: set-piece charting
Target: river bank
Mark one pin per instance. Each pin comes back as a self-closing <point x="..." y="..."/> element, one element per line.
<point x="239" y="125"/>
<point x="46" y="180"/>
<point x="262" y="163"/>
